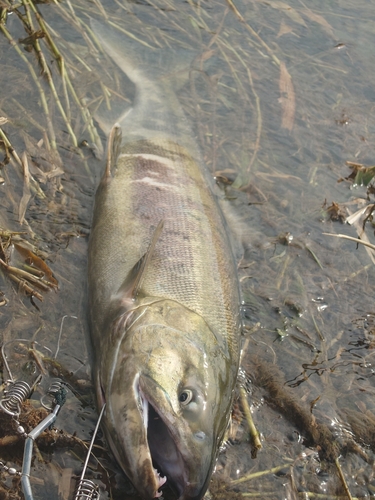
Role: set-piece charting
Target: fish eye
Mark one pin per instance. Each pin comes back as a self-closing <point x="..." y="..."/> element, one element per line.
<point x="185" y="397"/>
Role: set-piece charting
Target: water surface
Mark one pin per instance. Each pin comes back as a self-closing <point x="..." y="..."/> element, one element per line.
<point x="280" y="98"/>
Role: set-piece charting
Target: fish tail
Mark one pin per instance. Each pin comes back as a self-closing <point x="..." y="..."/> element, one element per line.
<point x="156" y="73"/>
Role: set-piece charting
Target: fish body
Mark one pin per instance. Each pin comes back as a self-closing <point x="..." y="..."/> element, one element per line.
<point x="164" y="296"/>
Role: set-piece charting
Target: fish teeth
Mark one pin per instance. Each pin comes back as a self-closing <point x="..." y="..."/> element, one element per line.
<point x="161" y="480"/>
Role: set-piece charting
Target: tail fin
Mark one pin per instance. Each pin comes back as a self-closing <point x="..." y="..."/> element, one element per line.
<point x="156" y="111"/>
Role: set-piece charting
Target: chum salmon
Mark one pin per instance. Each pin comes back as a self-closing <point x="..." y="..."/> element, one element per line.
<point x="164" y="299"/>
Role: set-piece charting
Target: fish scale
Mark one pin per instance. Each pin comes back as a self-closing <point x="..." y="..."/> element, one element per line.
<point x="189" y="208"/>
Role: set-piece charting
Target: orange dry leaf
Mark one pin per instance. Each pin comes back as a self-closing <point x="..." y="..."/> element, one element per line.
<point x="37" y="262"/>
<point x="287" y="97"/>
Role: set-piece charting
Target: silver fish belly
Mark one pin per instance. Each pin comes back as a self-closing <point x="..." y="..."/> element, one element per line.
<point x="164" y="297"/>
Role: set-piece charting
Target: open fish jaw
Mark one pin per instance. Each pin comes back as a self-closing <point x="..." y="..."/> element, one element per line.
<point x="142" y="472"/>
<point x="144" y="409"/>
<point x="166" y="432"/>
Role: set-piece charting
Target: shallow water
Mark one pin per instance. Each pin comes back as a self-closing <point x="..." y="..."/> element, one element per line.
<point x="283" y="99"/>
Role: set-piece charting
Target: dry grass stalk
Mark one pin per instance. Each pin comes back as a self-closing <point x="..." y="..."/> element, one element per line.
<point x="26" y="189"/>
<point x="287" y="98"/>
<point x="34" y="76"/>
<point x="255" y="437"/>
<point x="255" y="475"/>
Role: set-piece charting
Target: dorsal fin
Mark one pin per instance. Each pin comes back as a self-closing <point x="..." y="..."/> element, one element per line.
<point x="113" y="149"/>
<point x="132" y="284"/>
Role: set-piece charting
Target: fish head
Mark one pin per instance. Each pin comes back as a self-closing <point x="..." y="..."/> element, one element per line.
<point x="165" y="416"/>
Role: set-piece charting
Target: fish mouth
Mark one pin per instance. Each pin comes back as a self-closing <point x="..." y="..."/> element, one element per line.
<point x="163" y="438"/>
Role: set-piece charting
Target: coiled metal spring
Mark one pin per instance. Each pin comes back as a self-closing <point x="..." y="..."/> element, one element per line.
<point x="16" y="393"/>
<point x="55" y="386"/>
<point x="55" y="392"/>
<point x="87" y="490"/>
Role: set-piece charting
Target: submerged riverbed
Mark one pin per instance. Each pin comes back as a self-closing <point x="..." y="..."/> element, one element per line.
<point x="281" y="101"/>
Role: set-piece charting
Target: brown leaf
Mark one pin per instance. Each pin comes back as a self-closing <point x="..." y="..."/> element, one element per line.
<point x="289" y="11"/>
<point x="284" y="29"/>
<point x="31" y="39"/>
<point x="287" y="98"/>
<point x="37" y="172"/>
<point x="37" y="262"/>
<point x="55" y="172"/>
<point x="320" y="20"/>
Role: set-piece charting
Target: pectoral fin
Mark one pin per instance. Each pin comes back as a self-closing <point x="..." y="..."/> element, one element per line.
<point x="134" y="280"/>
